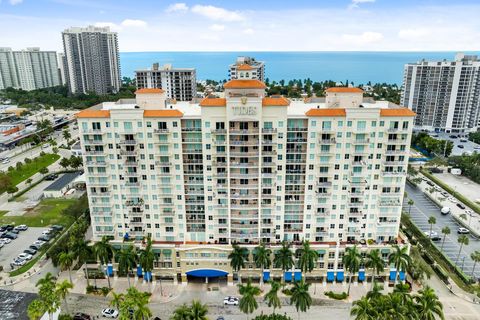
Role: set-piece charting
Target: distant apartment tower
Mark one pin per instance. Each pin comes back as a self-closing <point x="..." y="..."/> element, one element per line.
<point x="28" y="69"/>
<point x="61" y="68"/>
<point x="244" y="65"/>
<point x="444" y="94"/>
<point x="92" y="60"/>
<point x="178" y="83"/>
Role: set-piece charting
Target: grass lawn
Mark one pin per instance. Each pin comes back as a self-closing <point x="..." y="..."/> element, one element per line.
<point x="31" y="168"/>
<point x="47" y="212"/>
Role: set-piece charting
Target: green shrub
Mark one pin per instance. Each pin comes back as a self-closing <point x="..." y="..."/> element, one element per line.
<point x="336" y="296"/>
<point x="287" y="292"/>
<point x="91" y="289"/>
<point x="272" y="317"/>
<point x="65" y="317"/>
<point x="104" y="291"/>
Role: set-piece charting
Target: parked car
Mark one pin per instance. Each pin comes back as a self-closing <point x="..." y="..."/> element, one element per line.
<point x="430" y="183"/>
<point x="436" y="170"/>
<point x="461" y="146"/>
<point x="57" y="227"/>
<point x="51" y="177"/>
<point x="431" y="235"/>
<point x="10" y="235"/>
<point x="21" y="227"/>
<point x="230" y="301"/>
<point x="7" y="227"/>
<point x="25" y="256"/>
<point x="5" y="240"/>
<point x="463" y="140"/>
<point x="35" y="247"/>
<point x="17" y="262"/>
<point x="461" y="206"/>
<point x="463" y="231"/>
<point x="453" y="136"/>
<point x="5" y="161"/>
<point x="109" y="313"/>
<point x="44" y="238"/>
<point x="30" y="251"/>
<point x="16" y="231"/>
<point x="445" y="211"/>
<point x="81" y="316"/>
<point x="46" y="232"/>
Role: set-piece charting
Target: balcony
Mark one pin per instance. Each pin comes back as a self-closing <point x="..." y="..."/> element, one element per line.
<point x="132" y="184"/>
<point x="359" y="163"/>
<point x="361" y="141"/>
<point x="244" y="131"/>
<point x="269" y="130"/>
<point x="130" y="173"/>
<point x="394" y="173"/>
<point x="192" y="140"/>
<point x="324" y="195"/>
<point x="94" y="152"/>
<point x="192" y="160"/>
<point x="303" y="129"/>
<point x="300" y="140"/>
<point x="394" y="152"/>
<point x="96" y="163"/>
<point x="389" y="202"/>
<point x="128" y="142"/>
<point x="327" y="141"/>
<point x="394" y="163"/>
<point x="219" y="131"/>
<point x="128" y="152"/>
<point x="163" y="163"/>
<point x="244" y="154"/>
<point x="323" y="184"/>
<point x="244" y="143"/>
<point x="269" y="153"/>
<point x="193" y="129"/>
<point x="397" y="141"/>
<point x="94" y="142"/>
<point x="164" y="130"/>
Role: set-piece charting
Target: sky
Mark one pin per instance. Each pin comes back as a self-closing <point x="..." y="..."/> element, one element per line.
<point x="250" y="25"/>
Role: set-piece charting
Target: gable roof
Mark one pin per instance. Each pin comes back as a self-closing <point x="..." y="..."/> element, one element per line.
<point x="333" y="112"/>
<point x="244" y="84"/>
<point x="149" y="90"/>
<point x="93" y="114"/>
<point x="275" y="101"/>
<point x="344" y="90"/>
<point x="399" y="112"/>
<point x="163" y="113"/>
<point x="213" y="102"/>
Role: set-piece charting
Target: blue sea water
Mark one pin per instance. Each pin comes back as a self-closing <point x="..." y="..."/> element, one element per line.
<point x="359" y="67"/>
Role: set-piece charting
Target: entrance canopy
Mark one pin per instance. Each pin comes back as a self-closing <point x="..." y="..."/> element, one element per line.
<point x="207" y="273"/>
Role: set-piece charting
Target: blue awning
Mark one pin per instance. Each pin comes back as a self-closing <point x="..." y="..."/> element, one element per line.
<point x="330" y="276"/>
<point x="147" y="276"/>
<point x="361" y="275"/>
<point x="402" y="275"/>
<point x="266" y="275"/>
<point x="288" y="276"/>
<point x="109" y="270"/>
<point x="207" y="273"/>
<point x="297" y="275"/>
<point x="139" y="271"/>
<point x="340" y="276"/>
<point x="393" y="274"/>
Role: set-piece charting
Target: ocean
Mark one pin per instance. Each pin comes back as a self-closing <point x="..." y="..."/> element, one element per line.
<point x="359" y="67"/>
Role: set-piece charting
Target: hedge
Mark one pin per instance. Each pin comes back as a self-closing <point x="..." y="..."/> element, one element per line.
<point x="336" y="296"/>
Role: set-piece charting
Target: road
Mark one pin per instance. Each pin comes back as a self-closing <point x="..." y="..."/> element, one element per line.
<point x="425" y="208"/>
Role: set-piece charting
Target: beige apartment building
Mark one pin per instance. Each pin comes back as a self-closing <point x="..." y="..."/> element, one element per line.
<point x="246" y="169"/>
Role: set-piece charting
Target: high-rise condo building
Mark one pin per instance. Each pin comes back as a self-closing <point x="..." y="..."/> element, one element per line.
<point x="247" y="67"/>
<point x="61" y="68"/>
<point x="92" y="60"/>
<point x="178" y="83"/>
<point x="445" y="95"/>
<point x="28" y="69"/>
<point x="246" y="169"/>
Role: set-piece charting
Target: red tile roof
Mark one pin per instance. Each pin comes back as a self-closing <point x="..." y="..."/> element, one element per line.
<point x="149" y="90"/>
<point x="275" y="101"/>
<point x="213" y="102"/>
<point x="244" y="67"/>
<point x="337" y="112"/>
<point x="244" y="84"/>
<point x="399" y="112"/>
<point x="163" y="113"/>
<point x="344" y="89"/>
<point x="93" y="114"/>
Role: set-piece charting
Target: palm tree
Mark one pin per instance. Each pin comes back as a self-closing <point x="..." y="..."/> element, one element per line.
<point x="127" y="260"/>
<point x="427" y="304"/>
<point x="181" y="313"/>
<point x="82" y="251"/>
<point x="66" y="260"/>
<point x="142" y="311"/>
<point x="375" y="262"/>
<point x="272" y="296"/>
<point x="198" y="311"/>
<point x="284" y="258"/>
<point x="410" y="204"/>
<point x="400" y="259"/>
<point x="103" y="252"/>
<point x="301" y="297"/>
<point x="36" y="309"/>
<point x="476" y="258"/>
<point x="146" y="258"/>
<point x="248" y="303"/>
<point x="261" y="257"/>
<point x="308" y="257"/>
<point x="446" y="231"/>
<point x="464" y="241"/>
<point x="49" y="279"/>
<point x="352" y="259"/>
<point x="47" y="294"/>
<point x="364" y="309"/>
<point x="117" y="299"/>
<point x="375" y="293"/>
<point x="237" y="259"/>
<point x="431" y="221"/>
<point x="62" y="290"/>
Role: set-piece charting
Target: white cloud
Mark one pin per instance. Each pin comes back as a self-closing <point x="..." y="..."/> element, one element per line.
<point x="248" y="31"/>
<point x="367" y="37"/>
<point x="15" y="2"/>
<point x="217" y="27"/>
<point x="210" y="37"/>
<point x="133" y="23"/>
<point x="414" y="34"/>
<point x="111" y="25"/>
<point x="216" y="13"/>
<point x="356" y="3"/>
<point x="177" y="7"/>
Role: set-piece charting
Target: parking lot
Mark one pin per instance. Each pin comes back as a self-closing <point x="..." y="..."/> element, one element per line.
<point x="468" y="147"/>
<point x="10" y="251"/>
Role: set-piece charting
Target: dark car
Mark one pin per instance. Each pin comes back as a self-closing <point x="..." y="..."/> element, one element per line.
<point x="436" y="170"/>
<point x="430" y="183"/>
<point x="35" y="247"/>
<point x="51" y="177"/>
<point x="7" y="227"/>
<point x="461" y="146"/>
<point x="461" y="206"/>
<point x="44" y="238"/>
<point x="436" y="238"/>
<point x="453" y="136"/>
<point x="10" y="235"/>
<point x="30" y="251"/>
<point x="16" y="231"/>
<point x="57" y="227"/>
<point x="81" y="316"/>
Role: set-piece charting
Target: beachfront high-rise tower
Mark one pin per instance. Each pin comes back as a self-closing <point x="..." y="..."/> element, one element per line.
<point x="247" y="67"/>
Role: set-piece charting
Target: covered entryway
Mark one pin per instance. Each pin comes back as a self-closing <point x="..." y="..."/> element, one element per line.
<point x="207" y="276"/>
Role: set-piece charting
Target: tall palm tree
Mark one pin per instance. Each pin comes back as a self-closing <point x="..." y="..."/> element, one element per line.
<point x="446" y="231"/>
<point x="66" y="260"/>
<point x="82" y="252"/>
<point x="410" y="204"/>
<point x="375" y="293"/>
<point x="48" y="279"/>
<point x="301" y="297"/>
<point x="62" y="290"/>
<point x="364" y="309"/>
<point x="464" y="241"/>
<point x="198" y="311"/>
<point x="117" y="299"/>
<point x="431" y="221"/>
<point x="400" y="260"/>
<point x="237" y="259"/>
<point x="375" y="262"/>
<point x="428" y="305"/>
<point x="273" y="301"/>
<point x="146" y="258"/>
<point x="47" y="295"/>
<point x="248" y="304"/>
<point x="36" y="309"/>
<point x="127" y="260"/>
<point x="308" y="257"/>
<point x="476" y="258"/>
<point x="142" y="311"/>
<point x="352" y="259"/>
<point x="284" y="258"/>
<point x="103" y="252"/>
<point x="261" y="257"/>
<point x="181" y="313"/>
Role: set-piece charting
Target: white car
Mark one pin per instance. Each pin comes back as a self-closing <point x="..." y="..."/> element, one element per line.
<point x="230" y="301"/>
<point x="39" y="243"/>
<point x="463" y="231"/>
<point x="109" y="313"/>
<point x="452" y="200"/>
<point x="5" y="161"/>
<point x="46" y="232"/>
<point x="25" y="256"/>
<point x="470" y="213"/>
<point x="18" y="262"/>
<point x="5" y="240"/>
